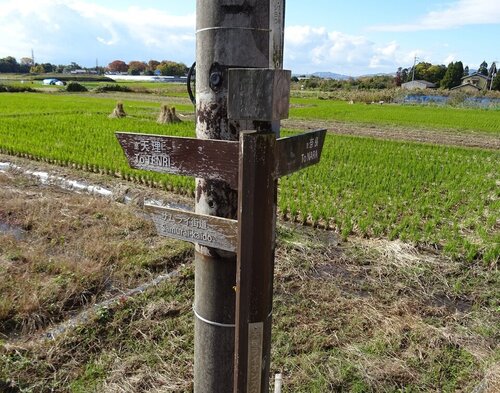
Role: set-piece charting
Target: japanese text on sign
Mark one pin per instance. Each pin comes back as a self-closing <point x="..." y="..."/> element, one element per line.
<point x="151" y="152"/>
<point x="208" y="231"/>
<point x="312" y="152"/>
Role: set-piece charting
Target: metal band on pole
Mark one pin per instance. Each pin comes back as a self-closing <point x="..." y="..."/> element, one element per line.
<point x="232" y="28"/>
<point x="222" y="325"/>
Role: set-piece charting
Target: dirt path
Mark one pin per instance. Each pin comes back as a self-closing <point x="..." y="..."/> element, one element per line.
<point x="442" y="137"/>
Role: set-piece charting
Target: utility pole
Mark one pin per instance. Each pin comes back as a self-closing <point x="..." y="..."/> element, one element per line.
<point x="242" y="94"/>
<point x="413" y="70"/>
<point x="492" y="73"/>
<point x="229" y="34"/>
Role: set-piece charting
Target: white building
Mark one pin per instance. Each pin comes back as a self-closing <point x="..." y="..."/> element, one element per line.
<point x="418" y="84"/>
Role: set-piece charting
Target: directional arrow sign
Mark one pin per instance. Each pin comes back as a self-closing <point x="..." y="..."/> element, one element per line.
<point x="298" y="152"/>
<point x="210" y="231"/>
<point x="203" y="158"/>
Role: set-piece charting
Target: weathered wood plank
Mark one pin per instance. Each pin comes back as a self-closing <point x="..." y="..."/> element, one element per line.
<point x="276" y="24"/>
<point x="210" y="231"/>
<point x="207" y="159"/>
<point x="255" y="263"/>
<point x="258" y="94"/>
<point x="298" y="152"/>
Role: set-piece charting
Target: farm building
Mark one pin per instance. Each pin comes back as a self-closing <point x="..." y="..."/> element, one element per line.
<point x="418" y="84"/>
<point x="473" y="83"/>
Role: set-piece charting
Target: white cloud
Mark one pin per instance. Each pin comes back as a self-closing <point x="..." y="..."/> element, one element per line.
<point x="453" y="15"/>
<point x="450" y="58"/>
<point x="385" y="56"/>
<point x="302" y="35"/>
<point x="316" y="49"/>
<point x="62" y="31"/>
<point x="74" y="30"/>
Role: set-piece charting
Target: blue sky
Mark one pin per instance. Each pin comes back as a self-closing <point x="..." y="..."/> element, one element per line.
<point x="348" y="37"/>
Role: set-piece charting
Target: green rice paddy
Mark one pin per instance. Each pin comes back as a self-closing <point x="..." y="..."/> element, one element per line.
<point x="438" y="196"/>
<point x="416" y="116"/>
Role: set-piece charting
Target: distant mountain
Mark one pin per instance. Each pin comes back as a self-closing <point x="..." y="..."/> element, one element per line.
<point x="331" y="75"/>
<point x="393" y="74"/>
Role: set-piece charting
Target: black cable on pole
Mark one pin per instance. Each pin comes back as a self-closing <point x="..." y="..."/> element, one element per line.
<point x="191" y="73"/>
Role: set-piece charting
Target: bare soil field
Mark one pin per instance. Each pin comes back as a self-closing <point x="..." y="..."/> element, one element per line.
<point x="91" y="299"/>
<point x="439" y="137"/>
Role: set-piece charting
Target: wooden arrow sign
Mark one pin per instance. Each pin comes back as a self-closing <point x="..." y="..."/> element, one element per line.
<point x="203" y="158"/>
<point x="214" y="159"/>
<point x="210" y="231"/>
<point x="298" y="152"/>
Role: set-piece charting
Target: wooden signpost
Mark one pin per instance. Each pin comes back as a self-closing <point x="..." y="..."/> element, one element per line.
<point x="210" y="231"/>
<point x="298" y="152"/>
<point x="261" y="159"/>
<point x="208" y="159"/>
<point x="252" y="167"/>
<point x="215" y="159"/>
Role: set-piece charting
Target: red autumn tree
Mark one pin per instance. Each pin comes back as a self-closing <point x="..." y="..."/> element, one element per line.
<point x="118" y="66"/>
<point x="136" y="67"/>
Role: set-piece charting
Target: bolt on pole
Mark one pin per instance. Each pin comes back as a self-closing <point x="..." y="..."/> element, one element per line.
<point x="229" y="33"/>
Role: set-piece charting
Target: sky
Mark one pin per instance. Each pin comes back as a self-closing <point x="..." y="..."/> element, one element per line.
<point x="347" y="37"/>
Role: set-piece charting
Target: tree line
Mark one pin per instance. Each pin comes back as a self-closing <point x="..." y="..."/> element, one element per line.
<point x="26" y="65"/>
<point x="164" y="67"/>
<point x="443" y="76"/>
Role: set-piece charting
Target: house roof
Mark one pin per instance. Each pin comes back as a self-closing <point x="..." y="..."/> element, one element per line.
<point x="476" y="74"/>
<point x="428" y="84"/>
<point x="466" y="85"/>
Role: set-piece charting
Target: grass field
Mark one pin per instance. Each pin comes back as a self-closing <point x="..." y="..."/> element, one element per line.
<point x="446" y="197"/>
<point x="447" y="118"/>
<point x="157" y="88"/>
<point x="77" y="130"/>
<point x="357" y="316"/>
<point x="409" y="303"/>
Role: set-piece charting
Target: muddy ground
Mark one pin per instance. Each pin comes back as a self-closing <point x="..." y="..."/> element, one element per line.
<point x="451" y="137"/>
<point x="439" y="137"/>
<point x="97" y="301"/>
